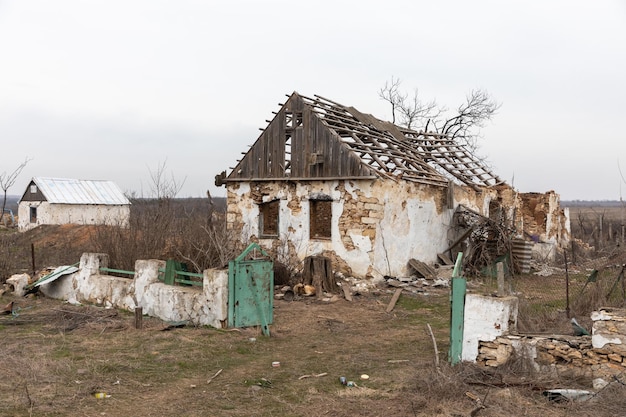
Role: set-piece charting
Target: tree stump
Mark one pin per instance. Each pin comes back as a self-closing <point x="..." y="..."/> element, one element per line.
<point x="318" y="272"/>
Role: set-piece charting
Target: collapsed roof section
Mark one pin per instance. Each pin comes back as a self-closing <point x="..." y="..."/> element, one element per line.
<point x="316" y="138"/>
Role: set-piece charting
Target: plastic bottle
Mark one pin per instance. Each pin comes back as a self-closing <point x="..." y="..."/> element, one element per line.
<point x="101" y="395"/>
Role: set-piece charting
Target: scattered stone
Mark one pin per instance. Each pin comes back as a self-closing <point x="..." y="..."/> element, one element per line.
<point x="19" y="283"/>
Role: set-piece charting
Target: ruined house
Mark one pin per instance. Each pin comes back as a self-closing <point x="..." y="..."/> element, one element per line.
<point x="72" y="201"/>
<point x="326" y="179"/>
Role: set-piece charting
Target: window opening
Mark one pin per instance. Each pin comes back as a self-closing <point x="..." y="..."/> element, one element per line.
<point x="33" y="214"/>
<point x="268" y="219"/>
<point x="320" y="221"/>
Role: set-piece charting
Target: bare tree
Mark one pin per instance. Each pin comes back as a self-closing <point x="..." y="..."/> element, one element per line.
<point x="412" y="110"/>
<point x="463" y="125"/>
<point x="470" y="118"/>
<point x="391" y="94"/>
<point x="7" y="180"/>
<point x="164" y="187"/>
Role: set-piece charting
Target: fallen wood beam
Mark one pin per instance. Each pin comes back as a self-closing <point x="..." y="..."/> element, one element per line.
<point x="423" y="269"/>
<point x="394" y="300"/>
<point x="445" y="259"/>
<point x="459" y="240"/>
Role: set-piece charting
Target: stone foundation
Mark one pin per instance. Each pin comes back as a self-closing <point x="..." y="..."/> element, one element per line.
<point x="601" y="355"/>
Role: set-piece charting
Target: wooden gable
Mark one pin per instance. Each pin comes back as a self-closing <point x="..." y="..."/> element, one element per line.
<point x="33" y="193"/>
<point x="297" y="145"/>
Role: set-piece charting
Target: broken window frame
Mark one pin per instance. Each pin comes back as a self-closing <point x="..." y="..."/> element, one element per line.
<point x="320" y="226"/>
<point x="269" y="215"/>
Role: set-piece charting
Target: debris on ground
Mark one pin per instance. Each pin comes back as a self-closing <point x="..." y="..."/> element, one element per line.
<point x="561" y="395"/>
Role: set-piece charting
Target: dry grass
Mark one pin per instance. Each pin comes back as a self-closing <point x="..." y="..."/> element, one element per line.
<point x="56" y="356"/>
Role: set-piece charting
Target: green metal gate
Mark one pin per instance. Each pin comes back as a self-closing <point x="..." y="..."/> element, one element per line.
<point x="251" y="289"/>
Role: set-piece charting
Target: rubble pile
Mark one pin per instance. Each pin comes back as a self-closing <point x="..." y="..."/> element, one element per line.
<point x="602" y="355"/>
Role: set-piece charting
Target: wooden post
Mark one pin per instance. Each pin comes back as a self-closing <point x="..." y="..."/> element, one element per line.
<point x="170" y="272"/>
<point x="501" y="289"/>
<point x="457" y="308"/>
<point x="318" y="272"/>
<point x="32" y="257"/>
<point x="600" y="230"/>
<point x="138" y="317"/>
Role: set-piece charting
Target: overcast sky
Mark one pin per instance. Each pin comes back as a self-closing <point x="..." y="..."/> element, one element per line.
<point x="113" y="89"/>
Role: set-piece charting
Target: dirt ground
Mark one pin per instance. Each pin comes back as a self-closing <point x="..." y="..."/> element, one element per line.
<point x="55" y="357"/>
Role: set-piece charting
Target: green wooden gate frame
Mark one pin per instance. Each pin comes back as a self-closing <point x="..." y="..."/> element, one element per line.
<point x="251" y="290"/>
<point x="457" y="308"/>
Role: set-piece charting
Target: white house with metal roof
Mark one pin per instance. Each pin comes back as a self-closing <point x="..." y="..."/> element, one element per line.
<point x="72" y="201"/>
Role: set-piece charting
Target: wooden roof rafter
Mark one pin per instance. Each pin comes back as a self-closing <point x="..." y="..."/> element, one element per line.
<point x="356" y="144"/>
<point x="457" y="161"/>
<point x="374" y="142"/>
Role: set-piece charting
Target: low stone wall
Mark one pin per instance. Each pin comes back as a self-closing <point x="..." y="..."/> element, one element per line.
<point x="601" y="355"/>
<point x="201" y="306"/>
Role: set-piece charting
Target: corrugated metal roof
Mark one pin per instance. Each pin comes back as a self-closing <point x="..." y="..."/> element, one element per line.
<point x="73" y="191"/>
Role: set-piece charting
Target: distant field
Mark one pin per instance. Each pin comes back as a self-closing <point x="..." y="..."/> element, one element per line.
<point x="11" y="203"/>
<point x="220" y="202"/>
<point x="598" y="223"/>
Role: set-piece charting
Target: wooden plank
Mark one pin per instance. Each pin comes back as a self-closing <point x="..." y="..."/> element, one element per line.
<point x="277" y="158"/>
<point x="345" y="287"/>
<point x="422" y="269"/>
<point x="445" y="259"/>
<point x="394" y="300"/>
<point x="461" y="239"/>
<point x="260" y="162"/>
<point x="138" y="318"/>
<point x="297" y="144"/>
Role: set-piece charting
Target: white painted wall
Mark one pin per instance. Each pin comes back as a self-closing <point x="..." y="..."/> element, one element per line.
<point x="201" y="306"/>
<point x="409" y="220"/>
<point x="72" y="214"/>
<point x="486" y="318"/>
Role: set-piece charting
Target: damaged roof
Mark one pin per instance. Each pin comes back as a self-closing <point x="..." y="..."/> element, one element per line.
<point x="75" y="191"/>
<point x="317" y="138"/>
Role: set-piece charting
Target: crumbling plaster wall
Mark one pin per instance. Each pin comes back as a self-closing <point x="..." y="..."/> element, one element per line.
<point x="545" y="218"/>
<point x="486" y="318"/>
<point x="202" y="306"/>
<point x="47" y="213"/>
<point x="377" y="225"/>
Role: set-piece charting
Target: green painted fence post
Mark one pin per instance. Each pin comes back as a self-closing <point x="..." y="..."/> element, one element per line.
<point x="170" y="272"/>
<point x="457" y="307"/>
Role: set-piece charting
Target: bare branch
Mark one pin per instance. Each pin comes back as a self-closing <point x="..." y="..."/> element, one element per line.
<point x="471" y="116"/>
<point x="414" y="111"/>
<point x="463" y="126"/>
<point x="7" y="180"/>
<point x="409" y="111"/>
<point x="391" y="94"/>
<point x="162" y="187"/>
